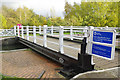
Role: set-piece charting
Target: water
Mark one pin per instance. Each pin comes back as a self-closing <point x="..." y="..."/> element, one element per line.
<point x="10" y="44"/>
<point x="13" y="47"/>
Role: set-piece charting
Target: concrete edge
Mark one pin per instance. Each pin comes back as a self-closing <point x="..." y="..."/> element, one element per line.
<point x="94" y="72"/>
<point x="13" y="50"/>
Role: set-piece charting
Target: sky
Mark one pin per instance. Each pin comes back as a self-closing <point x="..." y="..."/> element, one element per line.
<point x="41" y="7"/>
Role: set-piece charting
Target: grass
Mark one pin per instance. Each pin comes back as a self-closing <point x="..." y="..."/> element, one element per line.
<point x="65" y="33"/>
<point x="32" y="34"/>
<point x="6" y="36"/>
<point x="28" y="49"/>
<point x="3" y="77"/>
<point x="117" y="47"/>
<point x="74" y="33"/>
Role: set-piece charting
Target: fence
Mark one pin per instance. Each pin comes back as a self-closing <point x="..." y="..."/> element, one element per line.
<point x="7" y="32"/>
<point x="60" y="32"/>
<point x="72" y="32"/>
<point x="75" y="32"/>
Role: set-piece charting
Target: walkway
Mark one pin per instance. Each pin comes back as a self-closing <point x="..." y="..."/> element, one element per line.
<point x="28" y="64"/>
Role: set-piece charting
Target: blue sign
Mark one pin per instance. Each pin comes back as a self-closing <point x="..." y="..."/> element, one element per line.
<point x="101" y="50"/>
<point x="103" y="37"/>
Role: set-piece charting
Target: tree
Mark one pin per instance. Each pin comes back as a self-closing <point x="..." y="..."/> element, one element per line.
<point x="92" y="14"/>
<point x="3" y="22"/>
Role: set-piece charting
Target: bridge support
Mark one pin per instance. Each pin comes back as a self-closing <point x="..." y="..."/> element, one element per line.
<point x="84" y="63"/>
<point x="84" y="58"/>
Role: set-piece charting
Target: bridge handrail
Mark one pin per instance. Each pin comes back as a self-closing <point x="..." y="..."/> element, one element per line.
<point x="7" y="32"/>
<point x="71" y="32"/>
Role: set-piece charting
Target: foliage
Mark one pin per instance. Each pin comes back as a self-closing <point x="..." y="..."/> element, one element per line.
<point x="3" y="22"/>
<point x="98" y="14"/>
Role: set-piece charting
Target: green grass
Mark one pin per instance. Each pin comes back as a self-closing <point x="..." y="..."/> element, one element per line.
<point x="66" y="33"/>
<point x="6" y="36"/>
<point x="117" y="47"/>
<point x="32" y="34"/>
<point x="3" y="77"/>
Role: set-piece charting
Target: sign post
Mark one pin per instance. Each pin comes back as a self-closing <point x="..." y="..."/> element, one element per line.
<point x="102" y="43"/>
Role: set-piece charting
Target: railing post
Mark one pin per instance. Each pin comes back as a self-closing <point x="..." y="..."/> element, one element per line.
<point x="71" y="33"/>
<point x="51" y="30"/>
<point x="34" y="34"/>
<point x="106" y="27"/>
<point x="18" y="30"/>
<point x="45" y="35"/>
<point x="85" y="31"/>
<point x="15" y="30"/>
<point x="27" y="32"/>
<point x="39" y="29"/>
<point x="61" y="39"/>
<point x="22" y="32"/>
<point x="90" y="40"/>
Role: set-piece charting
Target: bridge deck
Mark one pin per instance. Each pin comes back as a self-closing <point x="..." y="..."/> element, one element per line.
<point x="73" y="52"/>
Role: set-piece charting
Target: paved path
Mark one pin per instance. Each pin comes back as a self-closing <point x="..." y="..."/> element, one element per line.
<point x="28" y="64"/>
<point x="106" y="74"/>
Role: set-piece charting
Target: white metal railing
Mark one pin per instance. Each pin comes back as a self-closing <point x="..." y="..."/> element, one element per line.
<point x="61" y="32"/>
<point x="51" y="31"/>
<point x="7" y="32"/>
<point x="57" y="31"/>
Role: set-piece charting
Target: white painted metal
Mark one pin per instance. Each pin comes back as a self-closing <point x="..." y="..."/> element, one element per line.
<point x="85" y="31"/>
<point x="18" y="31"/>
<point x="15" y="30"/>
<point x="71" y="33"/>
<point x="39" y="29"/>
<point x="106" y="27"/>
<point x="27" y="32"/>
<point x="7" y="32"/>
<point x="45" y="35"/>
<point x="61" y="39"/>
<point x="34" y="34"/>
<point x="51" y="30"/>
<point x="89" y="39"/>
<point x="22" y="32"/>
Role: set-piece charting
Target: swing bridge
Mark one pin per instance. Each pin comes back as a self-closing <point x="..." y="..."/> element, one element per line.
<point x="66" y="45"/>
